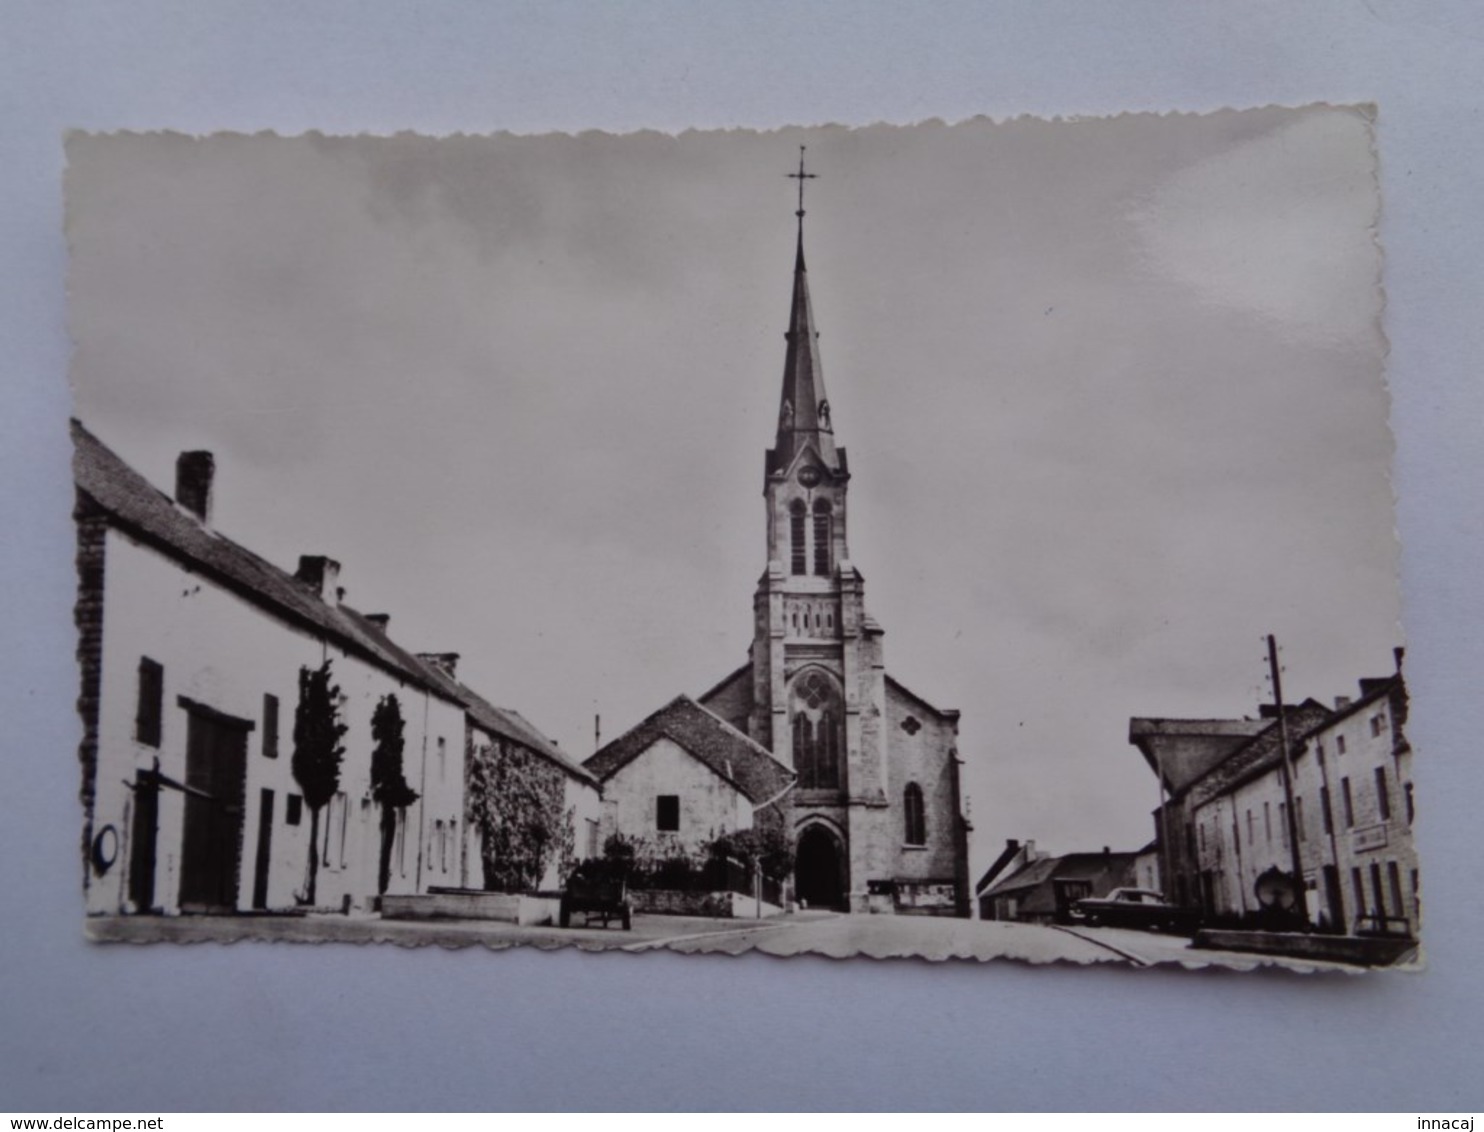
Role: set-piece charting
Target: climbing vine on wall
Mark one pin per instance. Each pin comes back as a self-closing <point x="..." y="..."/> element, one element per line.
<point x="516" y="802"/>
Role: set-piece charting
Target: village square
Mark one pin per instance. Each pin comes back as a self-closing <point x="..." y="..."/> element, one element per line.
<point x="263" y="760"/>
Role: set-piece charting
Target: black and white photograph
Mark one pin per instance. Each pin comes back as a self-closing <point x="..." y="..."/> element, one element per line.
<point x="954" y="541"/>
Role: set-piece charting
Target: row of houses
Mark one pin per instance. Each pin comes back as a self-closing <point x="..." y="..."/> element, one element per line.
<point x="1224" y="834"/>
<point x="252" y="743"/>
<point x="203" y="669"/>
<point x="1224" y="823"/>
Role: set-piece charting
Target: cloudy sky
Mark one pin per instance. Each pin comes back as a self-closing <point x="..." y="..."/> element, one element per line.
<point x="1112" y="392"/>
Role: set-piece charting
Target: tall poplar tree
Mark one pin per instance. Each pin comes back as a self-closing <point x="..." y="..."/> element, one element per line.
<point x="389" y="787"/>
<point x="318" y="751"/>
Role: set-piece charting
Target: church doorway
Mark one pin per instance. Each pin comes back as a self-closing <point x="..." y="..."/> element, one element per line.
<point x="819" y="869"/>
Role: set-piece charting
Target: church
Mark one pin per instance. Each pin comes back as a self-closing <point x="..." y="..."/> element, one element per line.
<point x="874" y="807"/>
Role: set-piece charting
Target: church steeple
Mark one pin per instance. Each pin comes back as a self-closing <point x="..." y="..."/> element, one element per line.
<point x="803" y="407"/>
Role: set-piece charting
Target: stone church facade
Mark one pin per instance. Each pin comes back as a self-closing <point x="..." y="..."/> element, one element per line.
<point x="876" y="810"/>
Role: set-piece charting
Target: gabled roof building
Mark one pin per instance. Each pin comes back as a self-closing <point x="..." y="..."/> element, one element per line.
<point x="1041" y="889"/>
<point x="684" y="777"/>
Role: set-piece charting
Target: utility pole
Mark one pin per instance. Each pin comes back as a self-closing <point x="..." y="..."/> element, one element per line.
<point x="1300" y="895"/>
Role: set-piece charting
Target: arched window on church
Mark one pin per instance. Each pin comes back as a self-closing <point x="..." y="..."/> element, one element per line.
<point x="817" y="731"/>
<point x="798" y="556"/>
<point x="822" y="537"/>
<point x="916" y="816"/>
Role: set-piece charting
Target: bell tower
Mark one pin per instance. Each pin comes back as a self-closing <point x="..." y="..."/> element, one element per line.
<point x="818" y="694"/>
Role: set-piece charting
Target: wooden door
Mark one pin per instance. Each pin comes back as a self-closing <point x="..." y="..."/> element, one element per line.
<point x="216" y="768"/>
<point x="264" y="859"/>
<point x="146" y="825"/>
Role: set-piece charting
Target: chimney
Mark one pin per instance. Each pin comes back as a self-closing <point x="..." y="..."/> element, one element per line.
<point x="1400" y="654"/>
<point x="193" y="473"/>
<point x="445" y="662"/>
<point x="380" y="620"/>
<point x="1341" y="703"/>
<point x="320" y="574"/>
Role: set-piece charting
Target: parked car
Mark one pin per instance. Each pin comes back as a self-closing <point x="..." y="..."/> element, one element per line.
<point x="1135" y="908"/>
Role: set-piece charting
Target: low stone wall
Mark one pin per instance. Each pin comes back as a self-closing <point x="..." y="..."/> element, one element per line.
<point x="511" y="908"/>
<point x="1365" y="951"/>
<point x="746" y="908"/>
<point x="722" y="905"/>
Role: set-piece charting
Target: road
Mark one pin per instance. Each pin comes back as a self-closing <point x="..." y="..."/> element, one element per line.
<point x="821" y="933"/>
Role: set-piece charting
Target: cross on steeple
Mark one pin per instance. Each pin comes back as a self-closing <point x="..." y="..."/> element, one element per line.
<point x="803" y="409"/>
<point x="801" y="177"/>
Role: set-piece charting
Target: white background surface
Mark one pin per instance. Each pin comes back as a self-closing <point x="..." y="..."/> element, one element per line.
<point x="273" y="1027"/>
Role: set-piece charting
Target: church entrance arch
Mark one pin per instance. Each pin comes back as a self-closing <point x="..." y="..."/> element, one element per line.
<point x="819" y="868"/>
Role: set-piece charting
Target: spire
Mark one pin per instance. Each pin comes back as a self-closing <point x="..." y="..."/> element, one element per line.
<point x="803" y="408"/>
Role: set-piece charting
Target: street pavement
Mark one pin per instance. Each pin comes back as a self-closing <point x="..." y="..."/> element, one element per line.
<point x="820" y="933"/>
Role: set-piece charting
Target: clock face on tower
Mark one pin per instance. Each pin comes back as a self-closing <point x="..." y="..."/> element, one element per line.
<point x="809" y="475"/>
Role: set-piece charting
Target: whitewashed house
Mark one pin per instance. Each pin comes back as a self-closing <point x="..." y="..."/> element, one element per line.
<point x="684" y="777"/>
<point x="1226" y="823"/>
<point x="191" y="650"/>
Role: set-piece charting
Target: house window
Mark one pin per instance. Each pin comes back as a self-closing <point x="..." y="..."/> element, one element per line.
<point x="798" y="554"/>
<point x="1376" y="888"/>
<point x="1267" y="822"/>
<point x="1298" y="818"/>
<point x="442" y="759"/>
<point x="1347" y="802"/>
<point x="1394" y="879"/>
<point x="1378" y="723"/>
<point x="916" y="816"/>
<point x="1251" y="836"/>
<point x="822" y="537"/>
<point x="1358" y="884"/>
<point x="1319" y="750"/>
<point x="1326" y="814"/>
<point x="667" y="813"/>
<point x="440" y="845"/>
<point x="1339" y="744"/>
<point x="1383" y="794"/>
<point x="293" y="810"/>
<point x="1411" y="805"/>
<point x="149" y="713"/>
<point x="1283" y="824"/>
<point x="817" y="717"/>
<point x="270" y="726"/>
